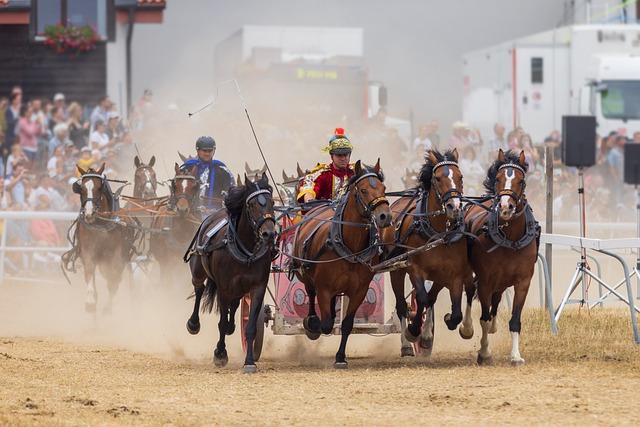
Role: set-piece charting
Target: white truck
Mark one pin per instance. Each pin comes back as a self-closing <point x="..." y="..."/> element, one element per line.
<point x="533" y="81"/>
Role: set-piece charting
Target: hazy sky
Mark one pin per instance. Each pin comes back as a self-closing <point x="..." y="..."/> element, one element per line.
<point x="413" y="46"/>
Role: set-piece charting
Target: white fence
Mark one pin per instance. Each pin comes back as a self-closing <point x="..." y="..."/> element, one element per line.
<point x="8" y="217"/>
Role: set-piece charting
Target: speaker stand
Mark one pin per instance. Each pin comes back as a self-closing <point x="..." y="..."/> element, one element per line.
<point x="582" y="269"/>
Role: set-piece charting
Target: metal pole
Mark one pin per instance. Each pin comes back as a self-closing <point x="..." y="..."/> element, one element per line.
<point x="583" y="232"/>
<point x="548" y="250"/>
<point x="637" y="235"/>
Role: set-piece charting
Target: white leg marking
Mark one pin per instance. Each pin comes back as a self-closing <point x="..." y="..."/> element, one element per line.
<point x="484" y="341"/>
<point x="467" y="322"/>
<point x="516" y="359"/>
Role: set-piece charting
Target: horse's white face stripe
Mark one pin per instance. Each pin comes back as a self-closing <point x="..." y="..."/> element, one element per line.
<point x="453" y="183"/>
<point x="510" y="175"/>
<point x="184" y="185"/>
<point x="88" y="207"/>
<point x="455" y="201"/>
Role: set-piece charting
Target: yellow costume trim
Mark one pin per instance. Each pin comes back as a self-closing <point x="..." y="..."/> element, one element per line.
<point x="338" y="143"/>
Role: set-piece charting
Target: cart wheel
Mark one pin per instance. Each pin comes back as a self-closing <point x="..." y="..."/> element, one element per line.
<point x="421" y="347"/>
<point x="257" y="342"/>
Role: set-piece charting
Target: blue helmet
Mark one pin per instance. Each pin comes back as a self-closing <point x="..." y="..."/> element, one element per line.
<point x="205" y="143"/>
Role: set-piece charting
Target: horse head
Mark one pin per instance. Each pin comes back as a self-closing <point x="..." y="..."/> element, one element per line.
<point x="90" y="186"/>
<point x="441" y="175"/>
<point x="184" y="189"/>
<point x="254" y="200"/>
<point x="145" y="182"/>
<point x="369" y="193"/>
<point x="506" y="180"/>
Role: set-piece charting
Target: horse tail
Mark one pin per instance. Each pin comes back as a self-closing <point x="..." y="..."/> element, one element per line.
<point x="209" y="295"/>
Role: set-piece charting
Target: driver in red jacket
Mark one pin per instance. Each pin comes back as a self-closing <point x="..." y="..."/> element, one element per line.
<point x="326" y="181"/>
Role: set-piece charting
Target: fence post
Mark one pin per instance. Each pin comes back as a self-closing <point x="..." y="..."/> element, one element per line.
<point x="548" y="250"/>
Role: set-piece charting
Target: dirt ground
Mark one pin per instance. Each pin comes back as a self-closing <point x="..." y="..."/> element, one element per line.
<point x="140" y="367"/>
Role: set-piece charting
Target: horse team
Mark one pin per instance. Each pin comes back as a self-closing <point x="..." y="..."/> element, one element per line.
<point x="442" y="239"/>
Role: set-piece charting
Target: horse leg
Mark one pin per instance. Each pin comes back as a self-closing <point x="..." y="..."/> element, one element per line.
<point x="426" y="335"/>
<point x="495" y="302"/>
<point x="466" y="329"/>
<point x="90" y="279"/>
<point x="231" y="323"/>
<point x="484" y="295"/>
<point x="326" y="320"/>
<point x="312" y="322"/>
<point x="520" y="295"/>
<point x="193" y="324"/>
<point x="257" y="299"/>
<point x="454" y="318"/>
<point x="347" y="327"/>
<point x="397" y="284"/>
<point x="220" y="357"/>
<point x="415" y="325"/>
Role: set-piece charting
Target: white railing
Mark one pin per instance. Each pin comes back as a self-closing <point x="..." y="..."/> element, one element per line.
<point x="6" y="217"/>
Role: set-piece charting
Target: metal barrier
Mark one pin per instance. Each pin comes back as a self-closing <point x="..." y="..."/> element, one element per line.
<point x="8" y="216"/>
<point x="603" y="246"/>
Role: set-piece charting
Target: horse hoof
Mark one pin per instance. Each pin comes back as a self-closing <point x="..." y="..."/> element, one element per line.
<point x="340" y="365"/>
<point x="193" y="327"/>
<point x="312" y="335"/>
<point x="407" y="352"/>
<point x="485" y="361"/>
<point x="465" y="334"/>
<point x="220" y="358"/>
<point x="230" y="329"/>
<point x="426" y="343"/>
<point x="409" y="336"/>
<point x="250" y="369"/>
<point x="312" y="324"/>
<point x="517" y="362"/>
<point x="451" y="324"/>
<point x="493" y="328"/>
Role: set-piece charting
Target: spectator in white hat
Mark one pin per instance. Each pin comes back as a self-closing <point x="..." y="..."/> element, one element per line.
<point x="115" y="130"/>
<point x="60" y="102"/>
<point x="60" y="137"/>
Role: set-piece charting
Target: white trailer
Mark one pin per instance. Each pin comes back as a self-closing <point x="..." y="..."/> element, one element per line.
<point x="533" y="81"/>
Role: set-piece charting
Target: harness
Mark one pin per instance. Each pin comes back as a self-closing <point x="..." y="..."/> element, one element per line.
<point x="495" y="231"/>
<point x="422" y="218"/>
<point x="201" y="243"/>
<point x="193" y="199"/>
<point x="336" y="238"/>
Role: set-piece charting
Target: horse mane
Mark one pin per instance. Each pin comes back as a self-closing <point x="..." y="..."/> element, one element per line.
<point x="492" y="173"/>
<point x="235" y="198"/>
<point x="426" y="172"/>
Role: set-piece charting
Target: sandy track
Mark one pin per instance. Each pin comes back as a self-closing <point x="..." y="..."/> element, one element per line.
<point x="139" y="366"/>
<point x="47" y="382"/>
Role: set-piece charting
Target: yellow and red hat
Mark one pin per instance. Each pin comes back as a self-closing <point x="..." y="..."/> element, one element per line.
<point x="339" y="143"/>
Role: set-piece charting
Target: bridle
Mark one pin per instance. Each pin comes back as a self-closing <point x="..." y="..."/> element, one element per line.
<point x="191" y="199"/>
<point x="152" y="181"/>
<point x="450" y="193"/>
<point x="90" y="199"/>
<point x="257" y="224"/>
<point x="509" y="192"/>
<point x="368" y="208"/>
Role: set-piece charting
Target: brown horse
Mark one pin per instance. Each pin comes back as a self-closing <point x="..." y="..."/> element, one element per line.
<point x="145" y="183"/>
<point x="434" y="212"/>
<point x="232" y="252"/>
<point x="175" y="222"/>
<point x="101" y="239"/>
<point x="332" y="248"/>
<point x="505" y="252"/>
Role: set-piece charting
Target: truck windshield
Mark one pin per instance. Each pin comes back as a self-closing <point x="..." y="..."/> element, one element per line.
<point x="621" y="99"/>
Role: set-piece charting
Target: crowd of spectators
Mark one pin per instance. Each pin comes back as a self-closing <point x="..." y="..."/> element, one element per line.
<point x="608" y="199"/>
<point x="42" y="141"/>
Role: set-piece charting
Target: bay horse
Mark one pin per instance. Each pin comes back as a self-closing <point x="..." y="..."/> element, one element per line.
<point x="232" y="252"/>
<point x="175" y="222"/>
<point x="434" y="212"/>
<point x="505" y="251"/>
<point x="145" y="183"/>
<point x="332" y="250"/>
<point x="101" y="239"/>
